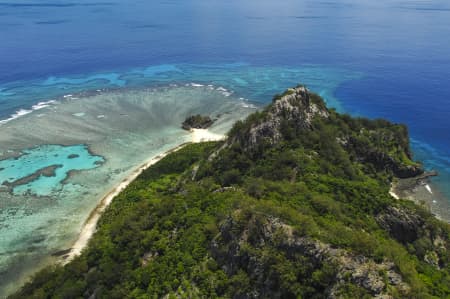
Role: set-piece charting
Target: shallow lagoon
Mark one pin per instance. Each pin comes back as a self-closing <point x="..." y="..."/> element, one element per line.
<point x="42" y="170"/>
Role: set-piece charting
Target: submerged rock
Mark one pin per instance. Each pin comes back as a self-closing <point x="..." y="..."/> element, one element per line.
<point x="48" y="171"/>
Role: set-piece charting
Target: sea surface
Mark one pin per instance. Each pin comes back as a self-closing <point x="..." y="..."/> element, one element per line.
<point x="90" y="90"/>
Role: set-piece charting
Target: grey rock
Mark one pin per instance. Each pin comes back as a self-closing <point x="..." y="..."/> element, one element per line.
<point x="401" y="223"/>
<point x="295" y="106"/>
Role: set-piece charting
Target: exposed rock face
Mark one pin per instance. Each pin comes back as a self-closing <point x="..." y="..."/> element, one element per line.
<point x="407" y="226"/>
<point x="383" y="161"/>
<point x="294" y="108"/>
<point x="407" y="171"/>
<point x="401" y="224"/>
<point x="230" y="249"/>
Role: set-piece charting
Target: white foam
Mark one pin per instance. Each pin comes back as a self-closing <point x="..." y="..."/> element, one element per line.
<point x="18" y="114"/>
<point x="197" y="85"/>
<point x="42" y="105"/>
<point x="224" y="91"/>
<point x="251" y="106"/>
<point x="22" y="112"/>
<point x="67" y="96"/>
<point x="100" y="116"/>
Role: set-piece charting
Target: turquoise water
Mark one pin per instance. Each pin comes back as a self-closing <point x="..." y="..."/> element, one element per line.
<point x="65" y="159"/>
<point x="258" y="83"/>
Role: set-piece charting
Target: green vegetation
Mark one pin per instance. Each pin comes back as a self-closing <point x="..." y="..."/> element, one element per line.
<point x="217" y="220"/>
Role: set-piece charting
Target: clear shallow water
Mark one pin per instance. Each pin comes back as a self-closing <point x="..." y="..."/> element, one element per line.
<point x="26" y="174"/>
<point x="379" y="59"/>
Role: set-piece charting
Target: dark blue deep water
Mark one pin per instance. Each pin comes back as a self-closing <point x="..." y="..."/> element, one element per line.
<point x="387" y="59"/>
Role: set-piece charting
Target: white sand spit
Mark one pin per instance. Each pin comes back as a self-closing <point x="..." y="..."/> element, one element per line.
<point x="202" y="135"/>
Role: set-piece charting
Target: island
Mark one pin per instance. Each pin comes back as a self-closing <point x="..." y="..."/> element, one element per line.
<point x="295" y="203"/>
<point x="197" y="122"/>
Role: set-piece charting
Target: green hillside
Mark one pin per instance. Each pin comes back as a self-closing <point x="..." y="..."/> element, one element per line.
<point x="294" y="204"/>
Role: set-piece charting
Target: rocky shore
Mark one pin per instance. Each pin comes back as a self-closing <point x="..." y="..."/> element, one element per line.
<point x="197" y="122"/>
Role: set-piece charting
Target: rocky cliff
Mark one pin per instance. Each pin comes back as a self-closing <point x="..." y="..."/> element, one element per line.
<point x="294" y="108"/>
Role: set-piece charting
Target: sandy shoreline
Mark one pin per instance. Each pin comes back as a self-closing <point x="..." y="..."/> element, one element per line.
<point x="424" y="194"/>
<point x="89" y="227"/>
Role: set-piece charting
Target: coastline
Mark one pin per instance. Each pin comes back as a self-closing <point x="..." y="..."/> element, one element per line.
<point x="423" y="192"/>
<point x="90" y="225"/>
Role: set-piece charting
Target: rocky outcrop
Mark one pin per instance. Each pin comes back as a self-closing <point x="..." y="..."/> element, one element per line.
<point x="382" y="144"/>
<point x="294" y="108"/>
<point x="401" y="224"/>
<point x="407" y="171"/>
<point x="383" y="161"/>
<point x="409" y="227"/>
<point x="197" y="122"/>
<point x="231" y="251"/>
